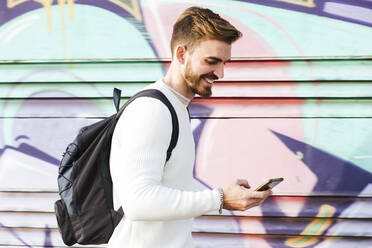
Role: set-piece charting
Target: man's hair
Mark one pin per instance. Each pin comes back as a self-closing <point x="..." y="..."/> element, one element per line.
<point x="197" y="24"/>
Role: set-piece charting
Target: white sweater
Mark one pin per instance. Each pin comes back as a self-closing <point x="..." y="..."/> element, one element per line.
<point x="158" y="198"/>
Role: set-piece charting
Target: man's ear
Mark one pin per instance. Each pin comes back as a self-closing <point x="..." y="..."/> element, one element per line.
<point x="181" y="53"/>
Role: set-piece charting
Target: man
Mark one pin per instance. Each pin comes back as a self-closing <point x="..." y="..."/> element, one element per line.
<point x="158" y="197"/>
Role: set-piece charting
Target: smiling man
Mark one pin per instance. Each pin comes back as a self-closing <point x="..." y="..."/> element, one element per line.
<point x="159" y="197"/>
<point x="198" y="67"/>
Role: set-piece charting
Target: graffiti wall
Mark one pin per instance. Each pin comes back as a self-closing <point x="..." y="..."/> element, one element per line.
<point x="295" y="102"/>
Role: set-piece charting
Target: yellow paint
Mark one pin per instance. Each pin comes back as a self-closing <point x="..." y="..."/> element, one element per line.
<point x="70" y="4"/>
<point x="47" y="4"/>
<point x="134" y="9"/>
<point x="12" y="3"/>
<point x="61" y="4"/>
<point x="301" y="241"/>
<point x="306" y="3"/>
<point x="316" y="227"/>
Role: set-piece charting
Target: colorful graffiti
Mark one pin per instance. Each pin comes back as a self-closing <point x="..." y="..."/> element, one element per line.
<point x="149" y="26"/>
<point x="295" y="102"/>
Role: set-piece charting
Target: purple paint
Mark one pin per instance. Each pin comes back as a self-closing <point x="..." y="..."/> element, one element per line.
<point x="33" y="152"/>
<point x="7" y="14"/>
<point x="339" y="179"/>
<point x="349" y="11"/>
<point x="318" y="9"/>
<point x="10" y="230"/>
<point x="47" y="239"/>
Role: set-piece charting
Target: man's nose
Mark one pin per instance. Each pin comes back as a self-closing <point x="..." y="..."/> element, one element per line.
<point x="219" y="72"/>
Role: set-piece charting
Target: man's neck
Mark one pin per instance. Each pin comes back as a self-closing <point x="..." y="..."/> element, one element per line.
<point x="180" y="97"/>
<point x="174" y="80"/>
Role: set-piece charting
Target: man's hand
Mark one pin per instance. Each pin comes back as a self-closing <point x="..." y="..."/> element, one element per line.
<point x="239" y="196"/>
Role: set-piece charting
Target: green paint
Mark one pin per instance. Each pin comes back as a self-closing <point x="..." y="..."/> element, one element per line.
<point x="314" y="228"/>
<point x="301" y="241"/>
<point x="293" y="33"/>
<point x="93" y="33"/>
<point x="348" y="139"/>
<point x="337" y="106"/>
<point x="96" y="72"/>
<point x="102" y="35"/>
<point x="338" y="70"/>
<point x="326" y="213"/>
<point x="334" y="89"/>
<point x="90" y="90"/>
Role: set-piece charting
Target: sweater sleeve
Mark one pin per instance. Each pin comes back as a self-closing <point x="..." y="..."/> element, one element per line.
<point x="138" y="156"/>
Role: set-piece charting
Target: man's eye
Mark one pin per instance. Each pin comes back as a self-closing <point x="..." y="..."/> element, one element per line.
<point x="211" y="62"/>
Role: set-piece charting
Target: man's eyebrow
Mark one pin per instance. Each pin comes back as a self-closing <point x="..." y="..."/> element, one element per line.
<point x="215" y="58"/>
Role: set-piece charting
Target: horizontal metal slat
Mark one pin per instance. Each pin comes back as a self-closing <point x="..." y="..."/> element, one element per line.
<point x="210" y="240"/>
<point x="33" y="202"/>
<point x="281" y="108"/>
<point x="225" y="89"/>
<point x="310" y="89"/>
<point x="295" y="206"/>
<point x="284" y="226"/>
<point x="24" y="219"/>
<point x="228" y="224"/>
<point x="168" y="59"/>
<point x="36" y="237"/>
<point x="199" y="108"/>
<point x="317" y="70"/>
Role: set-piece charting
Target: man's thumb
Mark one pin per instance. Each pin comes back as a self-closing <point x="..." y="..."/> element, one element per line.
<point x="244" y="183"/>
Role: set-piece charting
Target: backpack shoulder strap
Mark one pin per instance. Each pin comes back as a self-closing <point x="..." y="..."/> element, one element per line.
<point x="154" y="93"/>
<point x="117" y="95"/>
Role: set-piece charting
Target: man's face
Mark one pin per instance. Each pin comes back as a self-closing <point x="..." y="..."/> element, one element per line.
<point x="206" y="64"/>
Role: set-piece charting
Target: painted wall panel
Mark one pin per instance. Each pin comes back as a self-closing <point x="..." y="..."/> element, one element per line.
<point x="271" y="30"/>
<point x="32" y="237"/>
<point x="232" y="89"/>
<point x="219" y="224"/>
<point x="297" y="152"/>
<point x="295" y="102"/>
<point x="240" y="70"/>
<point x="35" y="224"/>
<point x="347" y="207"/>
<point x="213" y="108"/>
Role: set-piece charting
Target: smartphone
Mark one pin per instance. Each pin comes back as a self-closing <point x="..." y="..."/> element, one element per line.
<point x="271" y="183"/>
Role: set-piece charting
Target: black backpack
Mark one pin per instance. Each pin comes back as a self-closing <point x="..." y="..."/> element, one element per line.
<point x="85" y="212"/>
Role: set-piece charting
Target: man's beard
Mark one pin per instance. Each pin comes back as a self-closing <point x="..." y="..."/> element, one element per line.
<point x="193" y="80"/>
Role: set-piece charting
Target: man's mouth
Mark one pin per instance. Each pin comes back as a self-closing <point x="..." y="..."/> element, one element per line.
<point x="210" y="81"/>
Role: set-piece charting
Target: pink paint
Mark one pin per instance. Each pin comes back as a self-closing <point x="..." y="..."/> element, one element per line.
<point x="159" y="19"/>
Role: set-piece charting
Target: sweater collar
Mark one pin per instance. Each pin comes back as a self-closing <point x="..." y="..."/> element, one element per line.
<point x="184" y="100"/>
